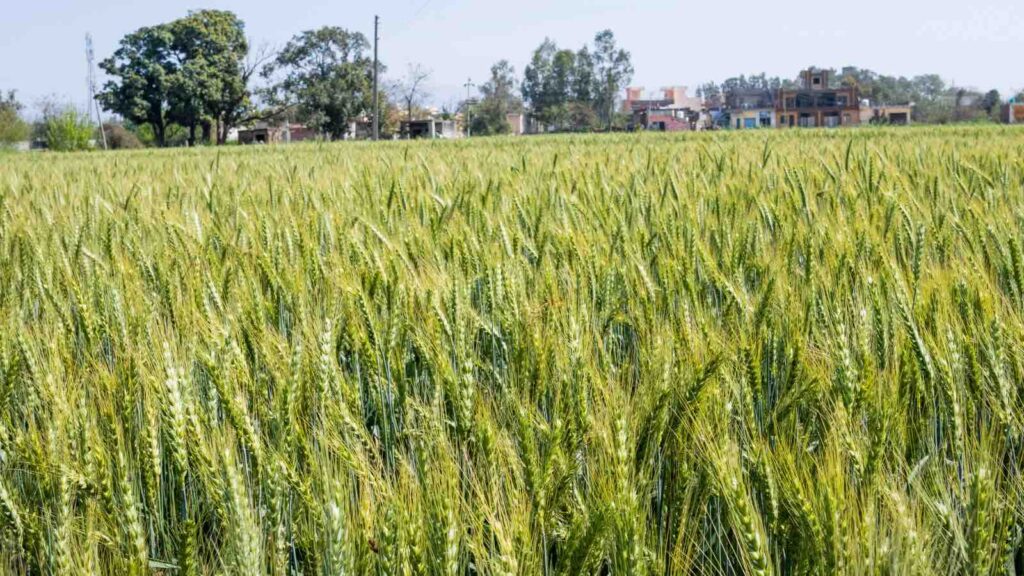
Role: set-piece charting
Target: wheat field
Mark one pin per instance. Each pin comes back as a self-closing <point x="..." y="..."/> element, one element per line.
<point x="756" y="353"/>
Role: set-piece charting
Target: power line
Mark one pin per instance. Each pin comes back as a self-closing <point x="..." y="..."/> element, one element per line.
<point x="408" y="22"/>
<point x="419" y="11"/>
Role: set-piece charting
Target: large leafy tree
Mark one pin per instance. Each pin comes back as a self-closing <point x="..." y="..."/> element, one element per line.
<point x="12" y="127"/>
<point x="536" y="83"/>
<point x="326" y="76"/>
<point x="141" y="72"/>
<point x="498" y="101"/>
<point x="549" y="84"/>
<point x="613" y="70"/>
<point x="193" y="72"/>
<point x="558" y="86"/>
<point x="210" y="88"/>
<point x="583" y="80"/>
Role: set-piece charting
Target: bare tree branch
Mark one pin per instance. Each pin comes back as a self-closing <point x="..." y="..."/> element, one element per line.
<point x="412" y="88"/>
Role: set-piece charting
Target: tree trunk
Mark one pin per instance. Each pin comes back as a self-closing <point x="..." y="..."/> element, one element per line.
<point x="207" y="131"/>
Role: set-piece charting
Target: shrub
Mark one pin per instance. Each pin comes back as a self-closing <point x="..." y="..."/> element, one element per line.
<point x="13" y="128"/>
<point x="120" y="138"/>
<point x="67" y="129"/>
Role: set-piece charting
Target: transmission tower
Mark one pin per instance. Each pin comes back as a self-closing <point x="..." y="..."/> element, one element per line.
<point x="91" y="79"/>
<point x="376" y="72"/>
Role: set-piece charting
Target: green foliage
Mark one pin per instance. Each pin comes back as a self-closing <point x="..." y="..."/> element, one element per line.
<point x="209" y="86"/>
<point x="934" y="101"/>
<point x="191" y="72"/>
<point x="490" y="117"/>
<point x="66" y="129"/>
<point x="576" y="91"/>
<point x="120" y="138"/>
<point x="141" y="72"/>
<point x="327" y="76"/>
<point x="613" y="70"/>
<point x="13" y="128"/>
<point x="556" y="83"/>
<point x="716" y="353"/>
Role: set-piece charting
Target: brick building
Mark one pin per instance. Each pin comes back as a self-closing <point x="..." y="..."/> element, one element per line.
<point x="1013" y="113"/>
<point x="751" y="109"/>
<point x="673" y="111"/>
<point x="817" y="103"/>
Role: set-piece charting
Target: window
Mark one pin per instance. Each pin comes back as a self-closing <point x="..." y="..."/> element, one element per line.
<point x="750" y="123"/>
<point x="841" y="100"/>
<point x="817" y="81"/>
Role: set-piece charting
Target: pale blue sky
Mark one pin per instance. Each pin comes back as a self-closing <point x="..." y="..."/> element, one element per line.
<point x="976" y="43"/>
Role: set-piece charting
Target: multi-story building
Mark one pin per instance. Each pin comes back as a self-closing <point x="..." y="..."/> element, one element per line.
<point x="817" y="103"/>
<point x="1013" y="113"/>
<point x="750" y="109"/>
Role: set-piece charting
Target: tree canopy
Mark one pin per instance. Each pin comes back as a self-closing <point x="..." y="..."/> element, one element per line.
<point x="191" y="72"/>
<point x="498" y="101"/>
<point x="141" y="72"/>
<point x="12" y="127"/>
<point x="326" y="75"/>
<point x="557" y="83"/>
<point x="613" y="70"/>
<point x="568" y="90"/>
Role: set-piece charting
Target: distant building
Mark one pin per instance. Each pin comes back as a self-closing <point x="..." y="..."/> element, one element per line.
<point x="673" y="111"/>
<point x="1013" y="113"/>
<point x="517" y="122"/>
<point x="817" y="103"/>
<point x="429" y="129"/>
<point x="895" y="115"/>
<point x="751" y="109"/>
<point x="264" y="133"/>
<point x="361" y="129"/>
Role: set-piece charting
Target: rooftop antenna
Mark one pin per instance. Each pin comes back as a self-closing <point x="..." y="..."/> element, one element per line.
<point x="94" y="105"/>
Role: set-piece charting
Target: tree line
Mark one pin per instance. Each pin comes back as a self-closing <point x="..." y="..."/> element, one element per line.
<point x="561" y="89"/>
<point x="196" y="73"/>
<point x="196" y="79"/>
<point x="576" y="90"/>
<point x="935" y="101"/>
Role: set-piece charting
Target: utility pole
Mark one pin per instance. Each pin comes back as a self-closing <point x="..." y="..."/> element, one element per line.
<point x="469" y="124"/>
<point x="376" y="82"/>
<point x="91" y="80"/>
